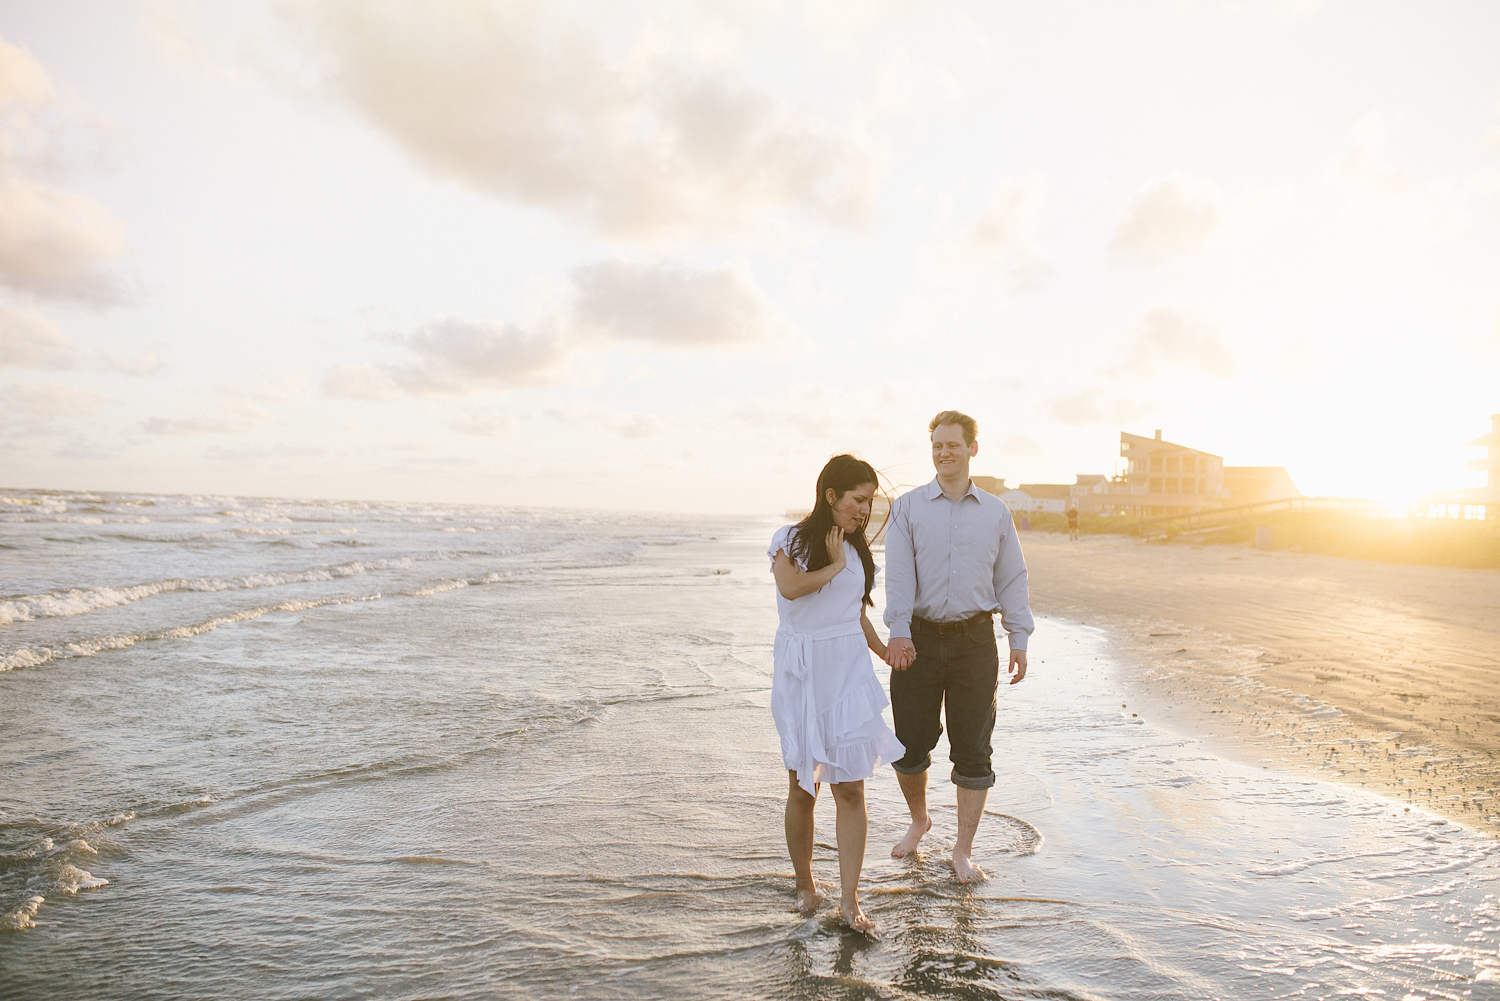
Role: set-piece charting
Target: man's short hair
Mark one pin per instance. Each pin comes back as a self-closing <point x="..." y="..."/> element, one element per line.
<point x="969" y="424"/>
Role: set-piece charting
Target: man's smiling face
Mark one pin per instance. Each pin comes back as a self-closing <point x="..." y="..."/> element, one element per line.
<point x="950" y="453"/>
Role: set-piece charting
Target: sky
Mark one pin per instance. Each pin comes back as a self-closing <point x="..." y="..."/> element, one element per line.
<point x="673" y="256"/>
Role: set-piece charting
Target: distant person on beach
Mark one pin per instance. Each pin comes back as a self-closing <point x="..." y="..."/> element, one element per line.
<point x="1072" y="524"/>
<point x="952" y="561"/>
<point x="825" y="697"/>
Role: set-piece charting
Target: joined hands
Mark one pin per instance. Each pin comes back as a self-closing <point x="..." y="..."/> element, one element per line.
<point x="899" y="653"/>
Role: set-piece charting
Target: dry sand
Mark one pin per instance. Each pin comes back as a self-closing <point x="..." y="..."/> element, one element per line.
<point x="1380" y="675"/>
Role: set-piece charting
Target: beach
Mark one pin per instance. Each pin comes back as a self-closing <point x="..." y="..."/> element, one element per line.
<point x="1379" y="675"/>
<point x="299" y="748"/>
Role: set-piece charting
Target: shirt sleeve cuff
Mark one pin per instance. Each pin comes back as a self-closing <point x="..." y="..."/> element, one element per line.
<point x="1018" y="641"/>
<point x="900" y="630"/>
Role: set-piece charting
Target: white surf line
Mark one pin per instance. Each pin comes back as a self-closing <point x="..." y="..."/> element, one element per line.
<point x="27" y="657"/>
<point x="78" y="601"/>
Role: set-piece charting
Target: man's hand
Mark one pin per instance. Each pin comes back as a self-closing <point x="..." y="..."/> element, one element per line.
<point x="1017" y="666"/>
<point x="899" y="653"/>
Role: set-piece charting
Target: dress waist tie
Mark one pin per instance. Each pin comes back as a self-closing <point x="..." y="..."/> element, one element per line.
<point x="812" y="751"/>
<point x="802" y="645"/>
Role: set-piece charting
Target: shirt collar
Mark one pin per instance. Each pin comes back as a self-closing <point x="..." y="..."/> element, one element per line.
<point x="935" y="490"/>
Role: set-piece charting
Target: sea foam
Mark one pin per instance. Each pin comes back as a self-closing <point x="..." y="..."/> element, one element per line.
<point x="27" y="657"/>
<point x="80" y="601"/>
<point x="21" y="917"/>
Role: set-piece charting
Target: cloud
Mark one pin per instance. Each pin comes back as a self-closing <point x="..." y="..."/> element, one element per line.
<point x="174" y="32"/>
<point x="1175" y="337"/>
<point x="620" y="423"/>
<point x="1096" y="406"/>
<point x="1006" y="236"/>
<point x="147" y="364"/>
<point x="1016" y="444"/>
<point x="486" y="425"/>
<point x="359" y="382"/>
<point x="489" y="96"/>
<point x="1076" y="409"/>
<point x="23" y="81"/>
<point x="54" y="244"/>
<point x="51" y="399"/>
<point x="615" y="302"/>
<point x="1166" y="220"/>
<point x="671" y="307"/>
<point x="822" y="414"/>
<point x="455" y="357"/>
<point x="29" y="341"/>
<point x="234" y="417"/>
<point x="278" y="388"/>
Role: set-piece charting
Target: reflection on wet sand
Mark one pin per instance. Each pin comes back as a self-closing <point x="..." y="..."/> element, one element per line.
<point x="1378" y="675"/>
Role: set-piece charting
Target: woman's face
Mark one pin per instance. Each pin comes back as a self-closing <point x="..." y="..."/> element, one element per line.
<point x="853" y="509"/>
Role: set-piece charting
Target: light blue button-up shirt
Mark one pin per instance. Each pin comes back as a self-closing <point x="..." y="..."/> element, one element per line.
<point x="947" y="561"/>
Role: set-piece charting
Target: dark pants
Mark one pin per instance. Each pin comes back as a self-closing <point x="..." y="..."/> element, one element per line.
<point x="959" y="671"/>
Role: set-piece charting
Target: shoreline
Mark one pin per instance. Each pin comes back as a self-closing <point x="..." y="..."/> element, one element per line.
<point x="1379" y="676"/>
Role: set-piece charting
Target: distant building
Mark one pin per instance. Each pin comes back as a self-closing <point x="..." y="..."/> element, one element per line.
<point x="1081" y="494"/>
<point x="1163" y="478"/>
<point x="1489" y="463"/>
<point x="1258" y="484"/>
<point x="1039" y="497"/>
<point x="1016" y="500"/>
<point x="1051" y="497"/>
<point x="990" y="484"/>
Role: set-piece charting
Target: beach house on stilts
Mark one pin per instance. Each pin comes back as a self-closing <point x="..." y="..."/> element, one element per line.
<point x="1488" y="495"/>
<point x="1163" y="478"/>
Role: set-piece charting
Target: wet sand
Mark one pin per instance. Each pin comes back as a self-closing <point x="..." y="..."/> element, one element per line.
<point x="1377" y="675"/>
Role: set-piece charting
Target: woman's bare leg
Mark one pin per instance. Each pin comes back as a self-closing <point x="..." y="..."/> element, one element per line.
<point x="799" y="842"/>
<point x="853" y="825"/>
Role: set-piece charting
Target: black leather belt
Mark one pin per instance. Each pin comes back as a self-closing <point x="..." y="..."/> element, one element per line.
<point x="947" y="628"/>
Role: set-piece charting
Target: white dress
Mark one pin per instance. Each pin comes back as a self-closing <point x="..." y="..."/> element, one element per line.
<point x="825" y="698"/>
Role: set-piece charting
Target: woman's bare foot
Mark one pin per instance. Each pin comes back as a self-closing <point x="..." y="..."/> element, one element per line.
<point x="965" y="870"/>
<point x="855" y="918"/>
<point x="914" y="833"/>
<point x="808" y="899"/>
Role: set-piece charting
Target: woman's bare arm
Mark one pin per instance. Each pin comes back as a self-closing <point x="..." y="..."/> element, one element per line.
<point x="793" y="582"/>
<point x="872" y="638"/>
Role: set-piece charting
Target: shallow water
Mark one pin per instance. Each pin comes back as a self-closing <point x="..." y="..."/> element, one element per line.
<point x="407" y="751"/>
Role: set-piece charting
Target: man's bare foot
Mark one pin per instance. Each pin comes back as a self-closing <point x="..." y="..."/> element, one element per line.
<point x="964" y="870"/>
<point x="808" y="899"/>
<point x="855" y="918"/>
<point x="914" y="833"/>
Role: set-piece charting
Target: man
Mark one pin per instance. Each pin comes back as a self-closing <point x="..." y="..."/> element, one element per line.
<point x="952" y="560"/>
<point x="1073" y="523"/>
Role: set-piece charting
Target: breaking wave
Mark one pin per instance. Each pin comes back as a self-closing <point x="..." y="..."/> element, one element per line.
<point x="78" y="601"/>
<point x="28" y="657"/>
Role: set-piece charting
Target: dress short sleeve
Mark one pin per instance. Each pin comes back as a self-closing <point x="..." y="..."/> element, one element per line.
<point x="782" y="542"/>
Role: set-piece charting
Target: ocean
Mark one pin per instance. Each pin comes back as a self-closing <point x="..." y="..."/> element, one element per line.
<point x="270" y="748"/>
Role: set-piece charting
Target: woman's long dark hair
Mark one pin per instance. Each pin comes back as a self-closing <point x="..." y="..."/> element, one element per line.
<point x="843" y="473"/>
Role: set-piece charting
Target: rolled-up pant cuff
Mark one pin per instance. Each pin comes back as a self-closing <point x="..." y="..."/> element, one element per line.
<point x="916" y="769"/>
<point x="973" y="781"/>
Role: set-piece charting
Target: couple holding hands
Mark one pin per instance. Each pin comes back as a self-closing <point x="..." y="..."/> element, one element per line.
<point x="952" y="561"/>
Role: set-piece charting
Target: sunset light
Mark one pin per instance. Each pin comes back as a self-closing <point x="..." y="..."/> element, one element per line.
<point x="745" y="499"/>
<point x="412" y="251"/>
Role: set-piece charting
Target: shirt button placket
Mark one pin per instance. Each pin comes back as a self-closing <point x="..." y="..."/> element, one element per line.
<point x="953" y="549"/>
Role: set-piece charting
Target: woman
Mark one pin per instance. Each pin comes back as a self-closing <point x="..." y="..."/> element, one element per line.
<point x="825" y="698"/>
